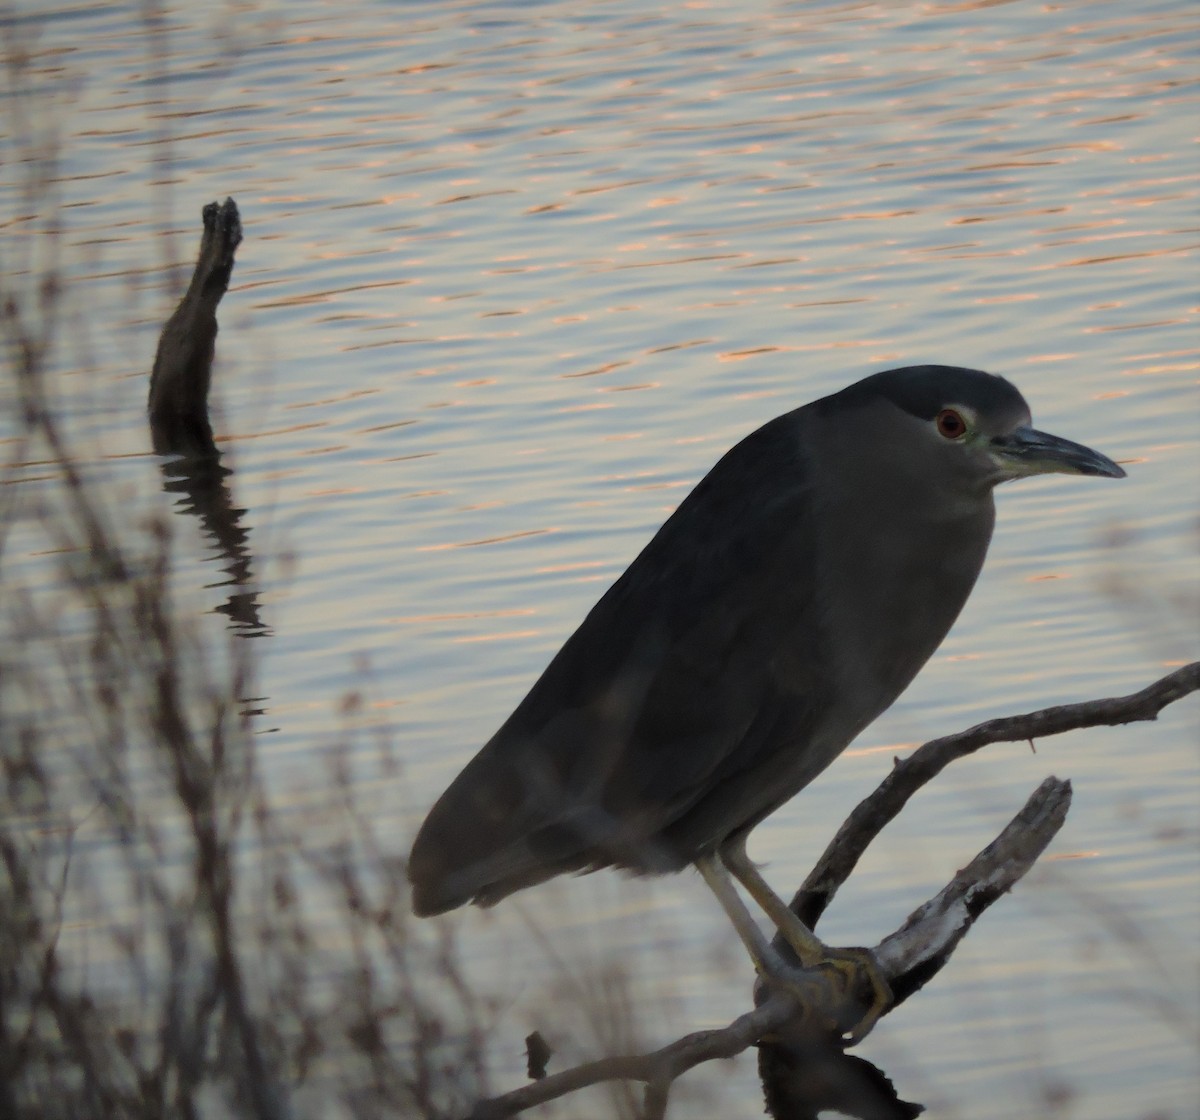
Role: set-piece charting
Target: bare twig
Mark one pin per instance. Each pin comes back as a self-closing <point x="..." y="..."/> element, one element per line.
<point x="661" y="1065"/>
<point x="908" y="775"/>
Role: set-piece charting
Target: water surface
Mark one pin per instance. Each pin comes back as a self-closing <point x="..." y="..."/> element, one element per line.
<point x="515" y="276"/>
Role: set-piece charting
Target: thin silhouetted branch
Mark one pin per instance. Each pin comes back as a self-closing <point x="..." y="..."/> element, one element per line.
<point x="908" y="775"/>
<point x="654" y="1069"/>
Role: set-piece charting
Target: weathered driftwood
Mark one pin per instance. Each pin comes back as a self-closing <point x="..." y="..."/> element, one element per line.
<point x="804" y="1068"/>
<point x="179" y="383"/>
<point x="179" y="419"/>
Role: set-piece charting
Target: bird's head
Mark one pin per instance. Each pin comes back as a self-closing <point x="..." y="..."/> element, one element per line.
<point x="972" y="427"/>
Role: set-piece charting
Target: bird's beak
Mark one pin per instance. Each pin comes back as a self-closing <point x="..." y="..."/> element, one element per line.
<point x="1027" y="451"/>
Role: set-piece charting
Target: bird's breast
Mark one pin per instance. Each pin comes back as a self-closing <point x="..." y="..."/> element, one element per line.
<point x="897" y="585"/>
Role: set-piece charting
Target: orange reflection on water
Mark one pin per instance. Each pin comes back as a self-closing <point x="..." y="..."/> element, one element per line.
<point x="456" y="616"/>
<point x="486" y="540"/>
<point x="887" y="748"/>
<point x="509" y="635"/>
<point x="742" y="355"/>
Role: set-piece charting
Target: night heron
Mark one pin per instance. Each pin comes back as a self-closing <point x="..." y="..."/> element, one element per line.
<point x="786" y="603"/>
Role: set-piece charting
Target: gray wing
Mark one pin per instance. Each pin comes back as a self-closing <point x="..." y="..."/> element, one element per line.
<point x="693" y="669"/>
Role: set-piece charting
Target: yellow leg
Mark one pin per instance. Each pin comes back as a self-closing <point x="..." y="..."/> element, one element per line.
<point x="809" y="990"/>
<point x="848" y="964"/>
<point x="811" y="950"/>
<point x="766" y="961"/>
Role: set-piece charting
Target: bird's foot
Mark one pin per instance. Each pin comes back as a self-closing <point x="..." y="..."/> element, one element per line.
<point x="844" y="991"/>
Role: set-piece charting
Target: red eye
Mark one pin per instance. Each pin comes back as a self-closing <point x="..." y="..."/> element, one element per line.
<point x="950" y="424"/>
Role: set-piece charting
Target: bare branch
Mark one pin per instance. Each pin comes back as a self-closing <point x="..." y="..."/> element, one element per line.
<point x="919" y="948"/>
<point x="908" y="775"/>
<point x="788" y="1044"/>
<point x="661" y="1066"/>
<point x="910" y="957"/>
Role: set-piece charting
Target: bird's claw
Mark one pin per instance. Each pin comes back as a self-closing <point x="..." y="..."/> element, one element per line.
<point x="834" y="990"/>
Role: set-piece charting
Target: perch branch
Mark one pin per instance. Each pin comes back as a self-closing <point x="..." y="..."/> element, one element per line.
<point x="909" y="957"/>
<point x="920" y="947"/>
<point x="908" y="775"/>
